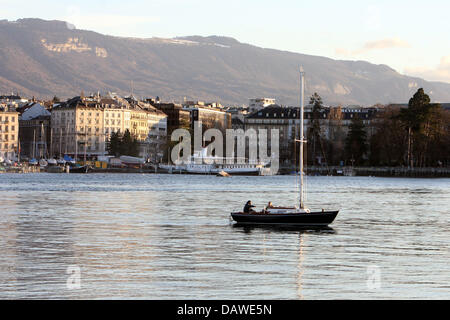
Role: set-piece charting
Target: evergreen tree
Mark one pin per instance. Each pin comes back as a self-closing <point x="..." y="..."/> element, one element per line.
<point x="415" y="119"/>
<point x="314" y="137"/>
<point x="125" y="144"/>
<point x="387" y="144"/>
<point x="114" y="144"/>
<point x="355" y="143"/>
<point x="129" y="145"/>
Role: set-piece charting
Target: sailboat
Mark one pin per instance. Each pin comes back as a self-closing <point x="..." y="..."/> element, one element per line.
<point x="297" y="215"/>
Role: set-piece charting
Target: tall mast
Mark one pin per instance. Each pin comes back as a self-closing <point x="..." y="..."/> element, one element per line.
<point x="51" y="142"/>
<point x="34" y="142"/>
<point x="76" y="143"/>
<point x="302" y="92"/>
<point x="85" y="138"/>
<point x="60" y="142"/>
<point x="41" y="149"/>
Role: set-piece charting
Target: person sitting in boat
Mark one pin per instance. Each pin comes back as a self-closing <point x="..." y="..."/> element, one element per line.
<point x="248" y="207"/>
<point x="269" y="206"/>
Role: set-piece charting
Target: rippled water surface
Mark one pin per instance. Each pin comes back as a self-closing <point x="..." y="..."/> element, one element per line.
<point x="169" y="237"/>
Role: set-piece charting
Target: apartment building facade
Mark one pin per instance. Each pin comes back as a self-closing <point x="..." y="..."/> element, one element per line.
<point x="9" y="133"/>
<point x="84" y="125"/>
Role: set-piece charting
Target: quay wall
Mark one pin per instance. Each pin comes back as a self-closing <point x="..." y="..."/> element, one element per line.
<point x="381" y="171"/>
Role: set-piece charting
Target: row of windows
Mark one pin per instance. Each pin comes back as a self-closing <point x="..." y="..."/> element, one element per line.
<point x="58" y="122"/>
<point x="82" y="114"/>
<point x="6" y="137"/>
<point x="63" y="114"/>
<point x="6" y="118"/>
<point x="6" y="146"/>
<point x="89" y="121"/>
<point x="111" y="130"/>
<point x="13" y="128"/>
<point x="138" y="116"/>
<point x="71" y="140"/>
<point x="113" y="115"/>
<point x="113" y="122"/>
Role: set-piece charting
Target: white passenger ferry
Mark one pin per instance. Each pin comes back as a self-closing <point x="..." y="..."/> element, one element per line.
<point x="201" y="163"/>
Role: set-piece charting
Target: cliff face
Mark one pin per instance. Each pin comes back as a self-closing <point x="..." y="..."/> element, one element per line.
<point x="47" y="58"/>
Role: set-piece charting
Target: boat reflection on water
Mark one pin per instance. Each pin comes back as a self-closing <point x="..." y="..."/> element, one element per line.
<point x="283" y="228"/>
<point x="302" y="231"/>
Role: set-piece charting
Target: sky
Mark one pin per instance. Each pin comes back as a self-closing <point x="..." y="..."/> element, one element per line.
<point x="409" y="36"/>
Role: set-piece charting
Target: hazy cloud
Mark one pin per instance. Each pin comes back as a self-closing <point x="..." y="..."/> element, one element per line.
<point x="102" y="22"/>
<point x="440" y="73"/>
<point x="390" y="43"/>
<point x="386" y="43"/>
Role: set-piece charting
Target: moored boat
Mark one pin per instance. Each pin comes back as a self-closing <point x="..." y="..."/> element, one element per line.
<point x="43" y="163"/>
<point x="79" y="169"/>
<point x="52" y="162"/>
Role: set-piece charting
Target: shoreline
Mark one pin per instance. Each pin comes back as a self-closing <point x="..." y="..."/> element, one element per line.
<point x="393" y="172"/>
<point x="401" y="172"/>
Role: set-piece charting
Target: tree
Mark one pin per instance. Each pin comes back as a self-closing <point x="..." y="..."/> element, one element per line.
<point x="387" y="144"/>
<point x="429" y="146"/>
<point x="129" y="145"/>
<point x="124" y="144"/>
<point x="423" y="124"/>
<point x="114" y="144"/>
<point x="314" y="135"/>
<point x="355" y="143"/>
<point x="412" y="118"/>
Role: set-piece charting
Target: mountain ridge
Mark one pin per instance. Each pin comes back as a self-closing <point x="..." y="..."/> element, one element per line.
<point x="46" y="58"/>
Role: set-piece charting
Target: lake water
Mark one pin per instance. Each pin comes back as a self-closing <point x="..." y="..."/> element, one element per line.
<point x="147" y="236"/>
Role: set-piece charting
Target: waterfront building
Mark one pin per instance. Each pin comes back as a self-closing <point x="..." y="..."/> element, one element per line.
<point x="83" y="125"/>
<point x="284" y="119"/>
<point x="34" y="131"/>
<point x="259" y="103"/>
<point x="149" y="126"/>
<point x="209" y="117"/>
<point x="77" y="128"/>
<point x="333" y="122"/>
<point x="177" y="117"/>
<point x="237" y="123"/>
<point x="116" y="116"/>
<point x="157" y="133"/>
<point x="238" y="115"/>
<point x="12" y="101"/>
<point x="9" y="133"/>
<point x="340" y="119"/>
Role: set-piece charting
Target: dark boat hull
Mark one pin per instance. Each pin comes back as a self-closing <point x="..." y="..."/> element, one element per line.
<point x="81" y="169"/>
<point x="305" y="219"/>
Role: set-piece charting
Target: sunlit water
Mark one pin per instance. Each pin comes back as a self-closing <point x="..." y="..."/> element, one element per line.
<point x="169" y="237"/>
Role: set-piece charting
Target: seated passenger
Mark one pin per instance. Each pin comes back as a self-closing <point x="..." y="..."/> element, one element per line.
<point x="248" y="207"/>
